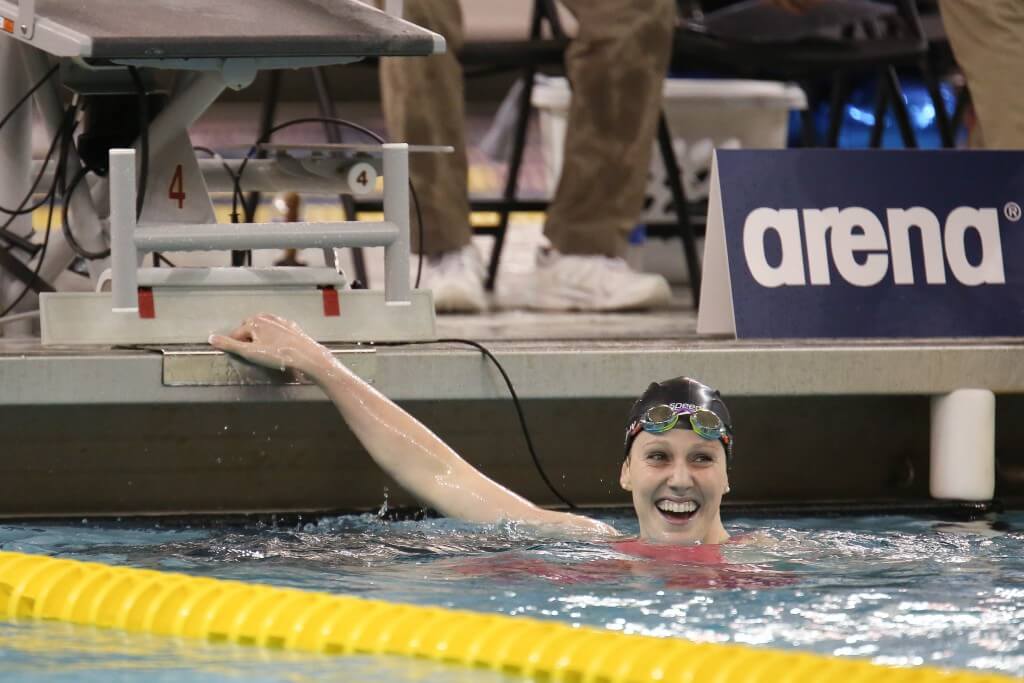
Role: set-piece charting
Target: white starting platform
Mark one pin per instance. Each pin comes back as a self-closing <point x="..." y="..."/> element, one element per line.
<point x="150" y="195"/>
<point x="117" y="31"/>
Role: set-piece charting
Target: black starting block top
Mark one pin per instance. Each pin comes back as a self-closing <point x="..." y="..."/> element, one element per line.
<point x="202" y="29"/>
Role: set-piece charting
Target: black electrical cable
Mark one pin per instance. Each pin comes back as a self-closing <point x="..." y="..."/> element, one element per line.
<point x="67" y="190"/>
<point x="419" y="229"/>
<point x="140" y="197"/>
<point x="69" y="234"/>
<point x="22" y="209"/>
<point x="234" y="182"/>
<point x="26" y="96"/>
<point x="66" y="145"/>
<point x="515" y="400"/>
<point x="42" y="257"/>
<point x="157" y="256"/>
<point x="237" y="194"/>
<point x="227" y="167"/>
<point x="31" y="278"/>
<point x="17" y="240"/>
<point x="65" y="134"/>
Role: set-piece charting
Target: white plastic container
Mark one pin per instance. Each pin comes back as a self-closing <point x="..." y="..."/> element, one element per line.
<point x="702" y="113"/>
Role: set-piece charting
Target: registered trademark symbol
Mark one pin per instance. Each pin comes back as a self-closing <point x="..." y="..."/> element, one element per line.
<point x="1012" y="211"/>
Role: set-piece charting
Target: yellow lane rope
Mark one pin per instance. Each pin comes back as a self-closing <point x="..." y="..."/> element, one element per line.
<point x="146" y="601"/>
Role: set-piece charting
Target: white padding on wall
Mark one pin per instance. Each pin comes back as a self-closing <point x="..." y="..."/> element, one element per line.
<point x="963" y="445"/>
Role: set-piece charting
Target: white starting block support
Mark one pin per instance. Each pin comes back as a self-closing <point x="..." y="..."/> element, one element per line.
<point x="963" y="431"/>
<point x="185" y="305"/>
<point x="204" y="300"/>
<point x="129" y="240"/>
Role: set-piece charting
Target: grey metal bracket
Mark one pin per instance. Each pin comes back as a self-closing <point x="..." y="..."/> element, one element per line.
<point x="27" y="18"/>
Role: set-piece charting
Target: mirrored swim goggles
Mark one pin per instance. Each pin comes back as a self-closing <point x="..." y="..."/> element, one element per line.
<point x="661" y="418"/>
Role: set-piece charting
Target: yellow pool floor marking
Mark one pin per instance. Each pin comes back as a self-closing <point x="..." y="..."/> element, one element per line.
<point x="142" y="600"/>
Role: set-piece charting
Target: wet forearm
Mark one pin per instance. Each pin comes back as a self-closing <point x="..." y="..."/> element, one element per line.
<point x="406" y="449"/>
<point x="425" y="465"/>
<point x="417" y="459"/>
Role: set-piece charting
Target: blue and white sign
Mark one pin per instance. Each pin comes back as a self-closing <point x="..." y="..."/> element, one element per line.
<point x="827" y="243"/>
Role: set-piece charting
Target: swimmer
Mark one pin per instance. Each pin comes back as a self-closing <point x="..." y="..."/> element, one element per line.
<point x="678" y="441"/>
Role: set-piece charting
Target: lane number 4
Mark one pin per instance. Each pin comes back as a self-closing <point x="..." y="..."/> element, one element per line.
<point x="177" y="189"/>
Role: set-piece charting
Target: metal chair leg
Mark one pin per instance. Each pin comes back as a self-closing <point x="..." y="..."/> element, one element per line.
<point x="963" y="100"/>
<point x="942" y="118"/>
<point x="543" y="10"/>
<point x="808" y="135"/>
<point x="881" y="109"/>
<point x="899" y="108"/>
<point x="837" y="104"/>
<point x="512" y="180"/>
<point x="808" y="138"/>
<point x="675" y="184"/>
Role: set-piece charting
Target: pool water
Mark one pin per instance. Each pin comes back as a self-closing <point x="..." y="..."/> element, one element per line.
<point x="893" y="590"/>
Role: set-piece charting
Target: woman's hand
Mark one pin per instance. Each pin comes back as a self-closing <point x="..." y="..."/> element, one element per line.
<point x="275" y="343"/>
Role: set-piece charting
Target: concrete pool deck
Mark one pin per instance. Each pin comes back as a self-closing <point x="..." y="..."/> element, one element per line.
<point x="548" y="356"/>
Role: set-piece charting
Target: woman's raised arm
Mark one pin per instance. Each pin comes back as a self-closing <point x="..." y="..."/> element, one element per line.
<point x="413" y="455"/>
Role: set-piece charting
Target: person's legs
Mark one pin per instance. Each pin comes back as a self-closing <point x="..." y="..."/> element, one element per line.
<point x="423" y="104"/>
<point x="987" y="37"/>
<point x="616" y="66"/>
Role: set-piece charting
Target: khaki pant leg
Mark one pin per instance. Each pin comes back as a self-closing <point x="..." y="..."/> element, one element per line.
<point x="423" y="104"/>
<point x="987" y="37"/>
<point x="616" y="65"/>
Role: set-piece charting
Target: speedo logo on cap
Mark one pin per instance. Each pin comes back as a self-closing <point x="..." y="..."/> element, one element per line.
<point x="864" y="252"/>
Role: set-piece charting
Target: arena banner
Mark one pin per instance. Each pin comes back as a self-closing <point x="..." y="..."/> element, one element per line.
<point x="864" y="244"/>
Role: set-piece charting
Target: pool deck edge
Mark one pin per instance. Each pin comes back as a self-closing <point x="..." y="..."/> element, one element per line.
<point x="34" y="375"/>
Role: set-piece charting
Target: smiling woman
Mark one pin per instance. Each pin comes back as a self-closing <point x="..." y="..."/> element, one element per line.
<point x="678" y="441"/>
<point x="678" y="444"/>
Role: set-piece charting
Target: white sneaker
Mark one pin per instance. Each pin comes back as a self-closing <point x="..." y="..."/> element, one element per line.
<point x="594" y="283"/>
<point x="456" y="278"/>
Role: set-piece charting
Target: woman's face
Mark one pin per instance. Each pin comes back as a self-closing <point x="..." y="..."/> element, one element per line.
<point x="677" y="480"/>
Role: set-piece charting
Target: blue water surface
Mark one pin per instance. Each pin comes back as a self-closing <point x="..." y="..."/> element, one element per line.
<point x="894" y="590"/>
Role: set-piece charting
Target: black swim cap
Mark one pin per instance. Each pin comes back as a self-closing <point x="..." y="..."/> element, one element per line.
<point x="681" y="390"/>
